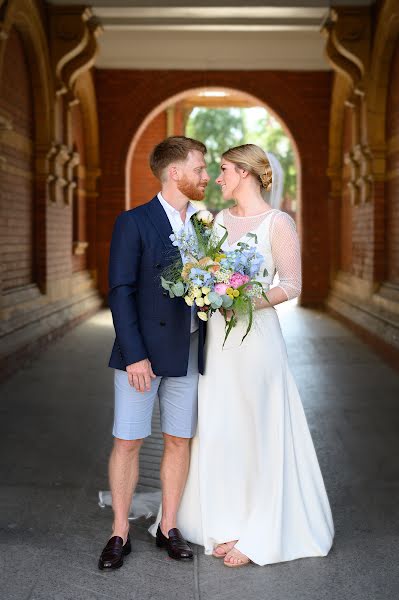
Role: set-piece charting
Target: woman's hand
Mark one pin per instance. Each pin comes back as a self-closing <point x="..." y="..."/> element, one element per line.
<point x="261" y="303"/>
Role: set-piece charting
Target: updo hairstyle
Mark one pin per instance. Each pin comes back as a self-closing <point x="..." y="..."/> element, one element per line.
<point x="254" y="160"/>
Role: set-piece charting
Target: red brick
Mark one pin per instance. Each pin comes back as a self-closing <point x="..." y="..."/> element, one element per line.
<point x="391" y="224"/>
<point x="16" y="192"/>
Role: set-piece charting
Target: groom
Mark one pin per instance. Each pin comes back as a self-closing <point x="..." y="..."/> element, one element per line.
<point x="158" y="350"/>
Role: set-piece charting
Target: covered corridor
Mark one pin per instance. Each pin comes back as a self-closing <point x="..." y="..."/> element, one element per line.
<point x="86" y="91"/>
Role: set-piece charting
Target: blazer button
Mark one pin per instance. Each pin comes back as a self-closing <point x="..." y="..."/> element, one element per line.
<point x="162" y="323"/>
<point x="165" y="293"/>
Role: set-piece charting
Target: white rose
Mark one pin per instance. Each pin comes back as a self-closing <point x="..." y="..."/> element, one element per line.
<point x="205" y="217"/>
<point x="202" y="315"/>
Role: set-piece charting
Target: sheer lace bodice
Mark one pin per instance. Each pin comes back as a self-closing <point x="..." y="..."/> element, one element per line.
<point x="280" y="239"/>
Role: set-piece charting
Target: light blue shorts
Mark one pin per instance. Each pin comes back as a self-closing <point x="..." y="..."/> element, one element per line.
<point x="178" y="403"/>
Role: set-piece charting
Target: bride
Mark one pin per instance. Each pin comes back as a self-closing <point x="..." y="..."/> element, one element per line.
<point x="254" y="490"/>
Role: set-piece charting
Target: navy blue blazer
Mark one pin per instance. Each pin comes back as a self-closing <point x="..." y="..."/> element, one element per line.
<point x="148" y="324"/>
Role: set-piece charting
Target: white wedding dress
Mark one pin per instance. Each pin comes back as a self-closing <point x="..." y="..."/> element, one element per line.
<point x="254" y="475"/>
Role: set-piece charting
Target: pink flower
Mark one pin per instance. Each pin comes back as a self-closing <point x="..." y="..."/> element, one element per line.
<point x="237" y="279"/>
<point x="220" y="288"/>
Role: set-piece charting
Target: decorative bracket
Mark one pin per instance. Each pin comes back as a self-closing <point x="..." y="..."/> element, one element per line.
<point x="61" y="179"/>
<point x="361" y="179"/>
<point x="79" y="248"/>
<point x="348" y="33"/>
<point x="74" y="31"/>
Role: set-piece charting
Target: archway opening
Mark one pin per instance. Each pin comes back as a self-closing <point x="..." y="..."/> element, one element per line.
<point x="219" y="117"/>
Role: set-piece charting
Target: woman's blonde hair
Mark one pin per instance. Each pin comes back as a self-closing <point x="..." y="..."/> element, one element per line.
<point x="253" y="159"/>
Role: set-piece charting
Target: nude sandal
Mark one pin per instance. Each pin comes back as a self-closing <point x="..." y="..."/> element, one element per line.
<point x="243" y="562"/>
<point x="217" y="555"/>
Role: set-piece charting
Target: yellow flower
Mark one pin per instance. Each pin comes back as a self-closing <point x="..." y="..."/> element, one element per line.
<point x="236" y="293"/>
<point x="196" y="293"/>
<point x="219" y="257"/>
<point x="199" y="302"/>
<point x="229" y="291"/>
<point x="206" y="300"/>
<point x="189" y="300"/>
<point x="202" y="315"/>
<point x="206" y="290"/>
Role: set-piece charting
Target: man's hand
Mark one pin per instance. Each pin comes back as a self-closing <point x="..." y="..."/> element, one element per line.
<point x="140" y="375"/>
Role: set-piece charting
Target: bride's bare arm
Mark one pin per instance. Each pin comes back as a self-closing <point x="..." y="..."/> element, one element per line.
<point x="287" y="258"/>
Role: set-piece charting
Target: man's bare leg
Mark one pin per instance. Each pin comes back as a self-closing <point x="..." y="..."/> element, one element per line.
<point x="123" y="477"/>
<point x="174" y="471"/>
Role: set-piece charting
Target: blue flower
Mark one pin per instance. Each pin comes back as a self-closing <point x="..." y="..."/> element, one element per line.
<point x="199" y="276"/>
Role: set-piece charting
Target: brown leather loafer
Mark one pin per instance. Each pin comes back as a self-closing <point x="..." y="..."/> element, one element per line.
<point x="113" y="553"/>
<point x="175" y="545"/>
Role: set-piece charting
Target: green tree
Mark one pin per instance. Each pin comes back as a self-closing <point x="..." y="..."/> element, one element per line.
<point x="266" y="132"/>
<point x="219" y="129"/>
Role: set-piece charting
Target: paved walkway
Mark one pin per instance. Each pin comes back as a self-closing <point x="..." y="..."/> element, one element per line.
<point x="55" y="439"/>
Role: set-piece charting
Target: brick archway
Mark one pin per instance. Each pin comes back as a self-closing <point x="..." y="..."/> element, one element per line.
<point x="157" y="112"/>
<point x="300" y="100"/>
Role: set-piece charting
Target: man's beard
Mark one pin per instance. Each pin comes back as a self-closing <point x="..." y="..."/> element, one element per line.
<point x="194" y="192"/>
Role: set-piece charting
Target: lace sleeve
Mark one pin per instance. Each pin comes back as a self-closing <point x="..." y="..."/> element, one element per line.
<point x="286" y="254"/>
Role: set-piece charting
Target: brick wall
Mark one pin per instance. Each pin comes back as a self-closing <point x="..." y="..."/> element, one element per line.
<point x="79" y="261"/>
<point x="16" y="187"/>
<point x="143" y="184"/>
<point x="357" y="222"/>
<point x="366" y="290"/>
<point x="297" y="97"/>
<point x="362" y="241"/>
<point x="346" y="208"/>
<point x="41" y="296"/>
<point x="392" y="185"/>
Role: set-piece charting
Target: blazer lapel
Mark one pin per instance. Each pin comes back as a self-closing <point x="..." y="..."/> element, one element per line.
<point x="159" y="219"/>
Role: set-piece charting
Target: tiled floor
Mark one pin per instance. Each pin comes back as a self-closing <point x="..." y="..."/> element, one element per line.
<point x="55" y="439"/>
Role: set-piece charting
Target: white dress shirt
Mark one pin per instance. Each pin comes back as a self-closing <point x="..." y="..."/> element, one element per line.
<point x="177" y="225"/>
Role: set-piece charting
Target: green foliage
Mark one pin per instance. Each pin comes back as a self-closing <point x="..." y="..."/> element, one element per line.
<point x="175" y="289"/>
<point x="170" y="275"/>
<point x="220" y="129"/>
<point x="266" y="132"/>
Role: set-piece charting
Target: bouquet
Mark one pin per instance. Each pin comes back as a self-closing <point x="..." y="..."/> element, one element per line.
<point x="212" y="279"/>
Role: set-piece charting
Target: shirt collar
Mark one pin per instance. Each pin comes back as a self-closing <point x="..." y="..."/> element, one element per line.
<point x="191" y="208"/>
